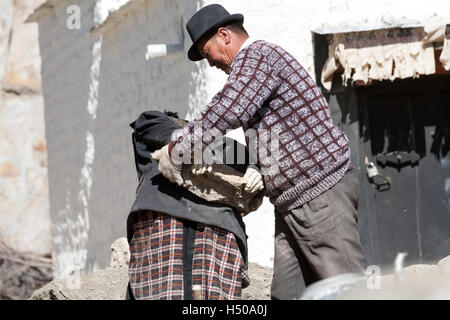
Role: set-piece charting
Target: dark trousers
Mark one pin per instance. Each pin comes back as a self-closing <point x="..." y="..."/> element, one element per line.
<point x="318" y="240"/>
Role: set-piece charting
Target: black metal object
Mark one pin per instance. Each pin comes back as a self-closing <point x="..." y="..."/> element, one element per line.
<point x="398" y="158"/>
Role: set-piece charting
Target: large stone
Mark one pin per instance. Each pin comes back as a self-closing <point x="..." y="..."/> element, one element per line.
<point x="120" y="253"/>
<point x="444" y="266"/>
<point x="421" y="272"/>
<point x="223" y="185"/>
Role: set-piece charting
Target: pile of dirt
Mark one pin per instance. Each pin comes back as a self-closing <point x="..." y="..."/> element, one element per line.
<point x="111" y="283"/>
<point x="22" y="273"/>
<point x="260" y="282"/>
<point x="108" y="284"/>
<point x="420" y="281"/>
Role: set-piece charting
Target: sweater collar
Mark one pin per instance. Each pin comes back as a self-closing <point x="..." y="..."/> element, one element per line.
<point x="246" y="43"/>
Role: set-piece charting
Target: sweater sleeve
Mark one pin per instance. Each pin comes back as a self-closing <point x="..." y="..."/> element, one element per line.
<point x="251" y="82"/>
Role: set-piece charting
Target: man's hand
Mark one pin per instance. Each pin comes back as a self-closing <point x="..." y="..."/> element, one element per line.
<point x="169" y="170"/>
<point x="254" y="180"/>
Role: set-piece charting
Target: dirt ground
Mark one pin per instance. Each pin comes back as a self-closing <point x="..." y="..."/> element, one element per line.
<point x="111" y="283"/>
<point x="419" y="282"/>
<point x="260" y="280"/>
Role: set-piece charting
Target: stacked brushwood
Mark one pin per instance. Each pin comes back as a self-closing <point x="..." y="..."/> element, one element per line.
<point x="21" y="273"/>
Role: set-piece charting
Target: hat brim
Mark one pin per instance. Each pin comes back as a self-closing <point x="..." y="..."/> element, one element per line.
<point x="193" y="53"/>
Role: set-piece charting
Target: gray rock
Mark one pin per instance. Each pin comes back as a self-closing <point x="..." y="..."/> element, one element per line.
<point x="444" y="266"/>
<point x="120" y="253"/>
<point x="223" y="185"/>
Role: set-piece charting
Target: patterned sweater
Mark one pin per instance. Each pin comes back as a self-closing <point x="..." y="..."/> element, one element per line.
<point x="268" y="90"/>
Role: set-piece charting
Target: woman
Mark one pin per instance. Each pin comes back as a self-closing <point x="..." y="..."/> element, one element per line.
<point x="179" y="241"/>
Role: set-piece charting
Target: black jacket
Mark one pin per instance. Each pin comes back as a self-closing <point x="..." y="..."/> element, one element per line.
<point x="152" y="131"/>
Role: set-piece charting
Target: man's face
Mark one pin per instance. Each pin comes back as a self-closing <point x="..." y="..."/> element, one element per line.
<point x="216" y="52"/>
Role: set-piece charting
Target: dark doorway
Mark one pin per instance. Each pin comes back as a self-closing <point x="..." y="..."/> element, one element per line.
<point x="406" y="126"/>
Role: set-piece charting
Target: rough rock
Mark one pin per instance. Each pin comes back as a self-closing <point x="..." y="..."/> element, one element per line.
<point x="444" y="266"/>
<point x="232" y="184"/>
<point x="120" y="253"/>
<point x="232" y="187"/>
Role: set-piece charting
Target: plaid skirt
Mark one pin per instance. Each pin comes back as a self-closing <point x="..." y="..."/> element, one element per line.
<point x="156" y="264"/>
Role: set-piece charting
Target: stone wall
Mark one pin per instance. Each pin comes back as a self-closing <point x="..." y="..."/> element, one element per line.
<point x="24" y="205"/>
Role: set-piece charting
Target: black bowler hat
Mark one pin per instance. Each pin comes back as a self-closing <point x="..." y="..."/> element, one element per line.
<point x="205" y="20"/>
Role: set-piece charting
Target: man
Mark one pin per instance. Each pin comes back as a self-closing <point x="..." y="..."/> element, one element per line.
<point x="179" y="240"/>
<point x="315" y="189"/>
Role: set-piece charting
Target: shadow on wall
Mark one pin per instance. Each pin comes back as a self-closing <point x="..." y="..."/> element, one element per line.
<point x="94" y="86"/>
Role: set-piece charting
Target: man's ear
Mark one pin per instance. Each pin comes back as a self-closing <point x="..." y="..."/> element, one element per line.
<point x="224" y="34"/>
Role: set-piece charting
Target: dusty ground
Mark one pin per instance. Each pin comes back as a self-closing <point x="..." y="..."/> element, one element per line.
<point x="260" y="279"/>
<point x="418" y="282"/>
<point x="111" y="283"/>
